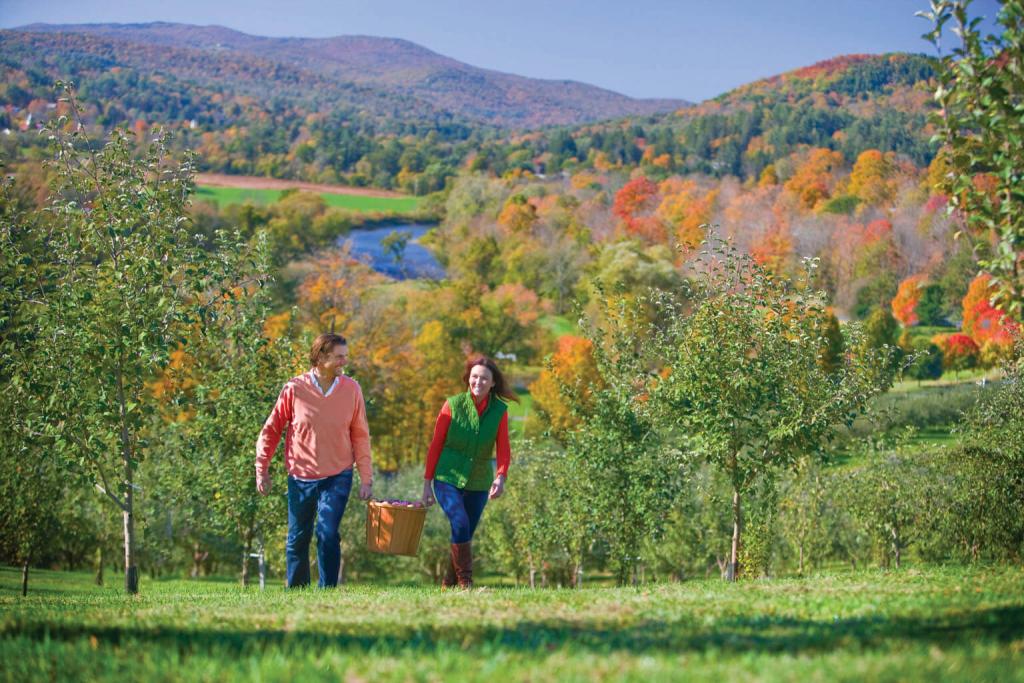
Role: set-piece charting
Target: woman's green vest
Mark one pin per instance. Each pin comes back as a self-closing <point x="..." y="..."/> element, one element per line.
<point x="467" y="460"/>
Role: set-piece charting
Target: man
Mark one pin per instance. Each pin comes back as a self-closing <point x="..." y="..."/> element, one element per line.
<point x="325" y="417"/>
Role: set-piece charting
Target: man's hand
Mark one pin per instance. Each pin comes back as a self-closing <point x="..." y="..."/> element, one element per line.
<point x="428" y="493"/>
<point x="497" y="488"/>
<point x="263" y="482"/>
<point x="365" y="491"/>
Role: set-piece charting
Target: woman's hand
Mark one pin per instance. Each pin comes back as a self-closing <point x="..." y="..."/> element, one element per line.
<point x="428" y="493"/>
<point x="497" y="488"/>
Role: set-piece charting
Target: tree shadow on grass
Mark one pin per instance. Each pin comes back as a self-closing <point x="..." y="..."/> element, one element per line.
<point x="737" y="636"/>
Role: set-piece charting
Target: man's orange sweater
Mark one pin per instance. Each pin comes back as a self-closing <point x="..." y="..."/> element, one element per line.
<point x="326" y="434"/>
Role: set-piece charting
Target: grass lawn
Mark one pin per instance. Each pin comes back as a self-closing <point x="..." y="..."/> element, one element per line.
<point x="934" y="436"/>
<point x="930" y="624"/>
<point x="517" y="413"/>
<point x="948" y="379"/>
<point x="559" y="325"/>
<point x="238" y="195"/>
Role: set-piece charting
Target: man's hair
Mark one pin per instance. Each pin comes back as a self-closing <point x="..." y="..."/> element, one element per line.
<point x="323" y="345"/>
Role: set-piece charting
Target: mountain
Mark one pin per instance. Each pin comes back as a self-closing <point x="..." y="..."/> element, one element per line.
<point x="398" y="67"/>
<point x="849" y="104"/>
<point x="390" y="114"/>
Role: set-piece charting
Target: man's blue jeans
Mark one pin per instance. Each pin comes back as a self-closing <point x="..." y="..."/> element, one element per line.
<point x="462" y="507"/>
<point x="324" y="500"/>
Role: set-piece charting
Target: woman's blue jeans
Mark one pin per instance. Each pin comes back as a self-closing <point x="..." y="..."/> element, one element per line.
<point x="324" y="500"/>
<point x="462" y="507"/>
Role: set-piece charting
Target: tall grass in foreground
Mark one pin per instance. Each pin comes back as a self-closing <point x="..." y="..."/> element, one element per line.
<point x="919" y="624"/>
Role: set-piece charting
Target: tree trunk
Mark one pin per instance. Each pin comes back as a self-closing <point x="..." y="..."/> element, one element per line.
<point x="896" y="546"/>
<point x="800" y="569"/>
<point x="131" y="572"/>
<point x="198" y="558"/>
<point x="246" y="552"/>
<point x="24" y="578"/>
<point x="733" y="570"/>
<point x="263" y="567"/>
<point x="99" y="566"/>
<point x="245" y="567"/>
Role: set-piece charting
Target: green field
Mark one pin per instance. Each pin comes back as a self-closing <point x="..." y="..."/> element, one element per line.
<point x="518" y="412"/>
<point x="926" y="624"/>
<point x="224" y="196"/>
<point x="559" y="325"/>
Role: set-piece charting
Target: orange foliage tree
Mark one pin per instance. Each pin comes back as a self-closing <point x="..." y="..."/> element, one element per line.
<point x="686" y="209"/>
<point x="904" y="304"/>
<point x="518" y="214"/>
<point x="813" y="181"/>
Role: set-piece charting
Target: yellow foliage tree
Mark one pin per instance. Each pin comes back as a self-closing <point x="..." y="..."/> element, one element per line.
<point x="871" y="179"/>
<point x="572" y="364"/>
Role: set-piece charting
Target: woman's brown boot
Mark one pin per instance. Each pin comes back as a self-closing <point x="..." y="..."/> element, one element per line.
<point x="462" y="558"/>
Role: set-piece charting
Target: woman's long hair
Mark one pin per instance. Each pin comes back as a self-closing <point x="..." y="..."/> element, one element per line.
<point x="500" y="387"/>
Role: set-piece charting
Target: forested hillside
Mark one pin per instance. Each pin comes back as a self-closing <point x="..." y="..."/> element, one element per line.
<point x="240" y="114"/>
<point x="300" y="109"/>
<point x="395" y="66"/>
<point x="847" y="104"/>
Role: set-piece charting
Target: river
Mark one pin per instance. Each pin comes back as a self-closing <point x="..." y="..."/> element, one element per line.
<point x="416" y="261"/>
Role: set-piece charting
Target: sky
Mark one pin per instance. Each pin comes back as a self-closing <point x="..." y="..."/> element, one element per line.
<point x="689" y="49"/>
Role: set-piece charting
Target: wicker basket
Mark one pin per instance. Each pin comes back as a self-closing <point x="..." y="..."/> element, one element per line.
<point x="393" y="529"/>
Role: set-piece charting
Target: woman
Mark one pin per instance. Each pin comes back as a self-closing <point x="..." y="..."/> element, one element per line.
<point x="460" y="463"/>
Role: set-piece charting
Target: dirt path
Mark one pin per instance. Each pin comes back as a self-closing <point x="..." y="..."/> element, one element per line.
<point x="256" y="183"/>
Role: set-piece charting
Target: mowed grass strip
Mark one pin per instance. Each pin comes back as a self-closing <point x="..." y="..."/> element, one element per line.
<point x="224" y="196"/>
<point x="915" y="624"/>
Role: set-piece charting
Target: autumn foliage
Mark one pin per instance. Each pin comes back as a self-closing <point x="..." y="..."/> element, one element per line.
<point x="871" y="178"/>
<point x="519" y="214"/>
<point x="904" y="304"/>
<point x="813" y="181"/>
<point x="572" y="364"/>
<point x="991" y="329"/>
<point x="634" y="204"/>
<point x="687" y="209"/>
<point x="959" y="351"/>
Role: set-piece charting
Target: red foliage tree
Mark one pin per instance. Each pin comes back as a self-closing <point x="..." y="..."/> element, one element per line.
<point x="989" y="327"/>
<point x="982" y="321"/>
<point x="959" y="351"/>
<point x="634" y="205"/>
